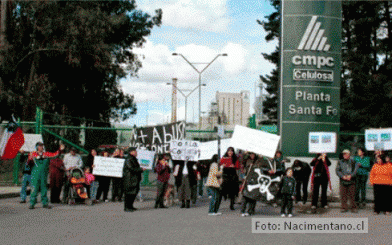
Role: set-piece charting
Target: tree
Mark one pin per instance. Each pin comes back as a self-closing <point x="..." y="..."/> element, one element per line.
<point x="366" y="83"/>
<point x="68" y="56"/>
<point x="272" y="27"/>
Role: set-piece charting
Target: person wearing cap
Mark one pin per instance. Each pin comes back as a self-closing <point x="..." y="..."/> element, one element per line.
<point x="132" y="175"/>
<point x="346" y="170"/>
<point x="39" y="175"/>
<point x="71" y="160"/>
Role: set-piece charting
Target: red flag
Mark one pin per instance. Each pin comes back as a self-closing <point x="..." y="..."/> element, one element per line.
<point x="12" y="141"/>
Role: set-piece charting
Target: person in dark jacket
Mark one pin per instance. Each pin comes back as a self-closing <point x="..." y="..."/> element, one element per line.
<point x="103" y="183"/>
<point x="249" y="165"/>
<point x="302" y="172"/>
<point x="203" y="167"/>
<point x="132" y="175"/>
<point x="287" y="193"/>
<point x="27" y="167"/>
<point x="346" y="170"/>
<point x="320" y="178"/>
<point x="163" y="170"/>
<point x="279" y="163"/>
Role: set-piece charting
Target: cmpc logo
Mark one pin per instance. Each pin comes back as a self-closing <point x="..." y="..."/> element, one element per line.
<point x="313" y="40"/>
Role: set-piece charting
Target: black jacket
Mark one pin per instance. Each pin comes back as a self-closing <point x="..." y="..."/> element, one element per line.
<point x="265" y="166"/>
<point x="132" y="175"/>
<point x="287" y="186"/>
<point x="301" y="171"/>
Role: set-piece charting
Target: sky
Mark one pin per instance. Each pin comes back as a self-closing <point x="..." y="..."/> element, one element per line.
<point x="199" y="30"/>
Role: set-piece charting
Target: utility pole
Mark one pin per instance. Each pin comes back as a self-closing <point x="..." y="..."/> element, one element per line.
<point x="174" y="100"/>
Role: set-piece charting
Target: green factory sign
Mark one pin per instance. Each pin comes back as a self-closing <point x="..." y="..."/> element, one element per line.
<point x="310" y="72"/>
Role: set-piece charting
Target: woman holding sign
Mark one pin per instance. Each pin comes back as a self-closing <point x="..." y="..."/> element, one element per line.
<point x="230" y="186"/>
<point x="320" y="178"/>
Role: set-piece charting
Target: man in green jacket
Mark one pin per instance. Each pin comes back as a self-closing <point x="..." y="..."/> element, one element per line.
<point x="39" y="175"/>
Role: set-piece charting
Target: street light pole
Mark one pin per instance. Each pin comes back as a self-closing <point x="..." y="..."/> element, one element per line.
<point x="199" y="72"/>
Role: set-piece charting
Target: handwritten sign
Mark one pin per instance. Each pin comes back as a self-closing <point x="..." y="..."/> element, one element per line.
<point x="108" y="166"/>
<point x="256" y="141"/>
<point x="322" y="142"/>
<point x="146" y="158"/>
<point x="30" y="141"/>
<point x="184" y="150"/>
<point x="378" y="139"/>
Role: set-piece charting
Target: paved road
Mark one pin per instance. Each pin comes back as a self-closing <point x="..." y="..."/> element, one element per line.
<point x="106" y="223"/>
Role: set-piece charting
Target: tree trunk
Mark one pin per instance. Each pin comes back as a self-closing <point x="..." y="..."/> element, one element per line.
<point x="388" y="20"/>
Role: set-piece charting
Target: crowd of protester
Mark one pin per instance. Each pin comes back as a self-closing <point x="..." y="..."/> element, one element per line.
<point x="223" y="178"/>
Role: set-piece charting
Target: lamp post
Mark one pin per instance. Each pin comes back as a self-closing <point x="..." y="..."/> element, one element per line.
<point x="185" y="95"/>
<point x="199" y="72"/>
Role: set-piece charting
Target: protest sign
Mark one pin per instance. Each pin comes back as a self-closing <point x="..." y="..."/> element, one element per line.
<point x="256" y="141"/>
<point x="322" y="142"/>
<point x="210" y="148"/>
<point x="30" y="141"/>
<point x="146" y="158"/>
<point x="108" y="166"/>
<point x="378" y="139"/>
<point x="184" y="150"/>
<point x="157" y="138"/>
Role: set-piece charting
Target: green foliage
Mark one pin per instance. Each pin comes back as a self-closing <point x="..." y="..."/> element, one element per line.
<point x="366" y="81"/>
<point x="272" y="27"/>
<point x="67" y="58"/>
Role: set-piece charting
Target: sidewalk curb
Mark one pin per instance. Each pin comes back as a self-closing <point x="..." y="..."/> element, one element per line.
<point x="9" y="195"/>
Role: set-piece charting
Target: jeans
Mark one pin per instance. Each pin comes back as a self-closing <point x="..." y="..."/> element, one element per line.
<point x="200" y="185"/>
<point x="360" y="188"/>
<point x="287" y="201"/>
<point x="93" y="190"/>
<point x="215" y="200"/>
<point x="25" y="182"/>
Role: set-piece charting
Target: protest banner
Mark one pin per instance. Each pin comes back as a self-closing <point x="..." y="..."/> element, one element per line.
<point x="210" y="148"/>
<point x="184" y="150"/>
<point x="157" y="138"/>
<point x="378" y="139"/>
<point x="256" y="141"/>
<point x="30" y="141"/>
<point x="146" y="158"/>
<point x="322" y="142"/>
<point x="108" y="166"/>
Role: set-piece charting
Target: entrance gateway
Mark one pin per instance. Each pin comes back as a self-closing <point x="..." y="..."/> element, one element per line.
<point x="310" y="72"/>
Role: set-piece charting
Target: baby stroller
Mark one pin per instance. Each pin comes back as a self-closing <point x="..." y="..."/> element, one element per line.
<point x="78" y="190"/>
